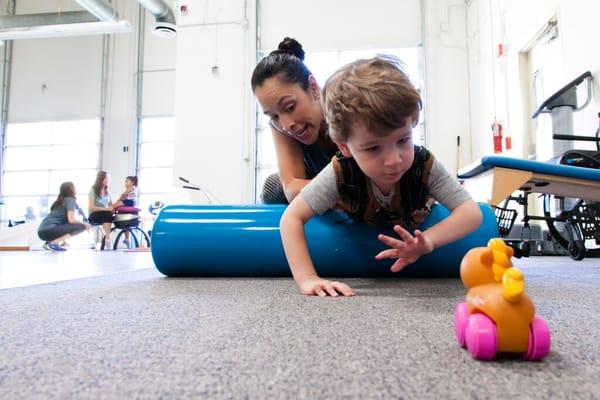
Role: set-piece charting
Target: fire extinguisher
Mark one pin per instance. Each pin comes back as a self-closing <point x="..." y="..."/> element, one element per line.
<point x="497" y="135"/>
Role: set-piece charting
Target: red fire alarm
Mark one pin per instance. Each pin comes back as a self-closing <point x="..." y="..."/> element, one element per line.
<point x="183" y="9"/>
<point x="500" y="50"/>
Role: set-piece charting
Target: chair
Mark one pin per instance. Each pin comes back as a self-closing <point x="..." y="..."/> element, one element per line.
<point x="127" y="220"/>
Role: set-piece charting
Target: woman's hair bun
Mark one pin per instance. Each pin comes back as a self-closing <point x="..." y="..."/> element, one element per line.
<point x="291" y="46"/>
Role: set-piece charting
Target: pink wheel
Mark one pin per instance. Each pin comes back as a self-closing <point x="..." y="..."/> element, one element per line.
<point x="539" y="340"/>
<point x="461" y="316"/>
<point x="482" y="337"/>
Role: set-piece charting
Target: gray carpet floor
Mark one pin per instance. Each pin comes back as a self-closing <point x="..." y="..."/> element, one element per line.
<point x="140" y="335"/>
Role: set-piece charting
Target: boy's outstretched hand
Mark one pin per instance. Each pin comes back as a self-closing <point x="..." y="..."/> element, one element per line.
<point x="322" y="287"/>
<point x="406" y="250"/>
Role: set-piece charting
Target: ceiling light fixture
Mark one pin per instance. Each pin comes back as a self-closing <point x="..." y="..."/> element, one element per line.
<point x="76" y="29"/>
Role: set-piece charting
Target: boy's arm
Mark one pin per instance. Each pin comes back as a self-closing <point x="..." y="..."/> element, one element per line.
<point x="294" y="240"/>
<point x="296" y="251"/>
<point x="463" y="220"/>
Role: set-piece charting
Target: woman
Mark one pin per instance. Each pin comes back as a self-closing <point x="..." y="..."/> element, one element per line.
<point x="100" y="206"/>
<point x="290" y="96"/>
<point x="60" y="223"/>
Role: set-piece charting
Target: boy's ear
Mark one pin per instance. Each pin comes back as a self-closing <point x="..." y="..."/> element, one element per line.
<point x="344" y="149"/>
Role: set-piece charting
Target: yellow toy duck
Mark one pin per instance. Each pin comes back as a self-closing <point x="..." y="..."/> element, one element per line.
<point x="498" y="317"/>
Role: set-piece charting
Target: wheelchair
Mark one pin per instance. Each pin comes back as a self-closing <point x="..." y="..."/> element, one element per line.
<point x="126" y="220"/>
<point x="572" y="222"/>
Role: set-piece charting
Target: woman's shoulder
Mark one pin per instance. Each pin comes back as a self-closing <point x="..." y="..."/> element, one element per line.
<point x="70" y="201"/>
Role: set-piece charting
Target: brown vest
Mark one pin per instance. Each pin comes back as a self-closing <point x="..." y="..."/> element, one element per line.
<point x="411" y="201"/>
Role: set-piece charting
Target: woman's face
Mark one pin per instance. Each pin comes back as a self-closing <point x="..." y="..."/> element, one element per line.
<point x="292" y="110"/>
<point x="128" y="183"/>
<point x="106" y="180"/>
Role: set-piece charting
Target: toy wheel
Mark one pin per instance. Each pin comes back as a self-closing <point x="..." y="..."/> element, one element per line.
<point x="461" y="317"/>
<point x="481" y="337"/>
<point x="577" y="250"/>
<point x="539" y="340"/>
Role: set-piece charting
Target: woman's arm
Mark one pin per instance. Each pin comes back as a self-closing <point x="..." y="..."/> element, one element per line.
<point x="93" y="207"/>
<point x="72" y="220"/>
<point x="290" y="161"/>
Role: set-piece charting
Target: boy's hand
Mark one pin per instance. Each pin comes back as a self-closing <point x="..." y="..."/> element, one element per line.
<point x="407" y="250"/>
<point x="322" y="287"/>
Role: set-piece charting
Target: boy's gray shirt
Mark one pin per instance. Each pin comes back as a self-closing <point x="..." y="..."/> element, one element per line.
<point x="321" y="193"/>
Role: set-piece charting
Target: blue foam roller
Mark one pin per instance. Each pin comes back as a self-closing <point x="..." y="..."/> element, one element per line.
<point x="244" y="241"/>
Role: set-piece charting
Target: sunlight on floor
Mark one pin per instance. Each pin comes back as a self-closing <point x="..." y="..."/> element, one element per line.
<point x="26" y="268"/>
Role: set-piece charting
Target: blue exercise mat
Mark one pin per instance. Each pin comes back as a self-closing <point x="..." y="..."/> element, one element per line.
<point x="244" y="241"/>
<point x="540" y="167"/>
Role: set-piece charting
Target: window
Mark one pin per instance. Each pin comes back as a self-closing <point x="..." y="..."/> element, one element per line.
<point x="323" y="65"/>
<point x="39" y="156"/>
<point x="156" y="153"/>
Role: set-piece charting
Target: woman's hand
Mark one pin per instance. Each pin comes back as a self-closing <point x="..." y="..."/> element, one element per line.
<point x="321" y="287"/>
<point x="407" y="249"/>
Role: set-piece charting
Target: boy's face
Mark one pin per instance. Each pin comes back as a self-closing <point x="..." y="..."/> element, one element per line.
<point x="384" y="159"/>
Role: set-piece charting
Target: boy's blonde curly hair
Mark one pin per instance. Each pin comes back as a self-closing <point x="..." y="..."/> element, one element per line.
<point x="375" y="92"/>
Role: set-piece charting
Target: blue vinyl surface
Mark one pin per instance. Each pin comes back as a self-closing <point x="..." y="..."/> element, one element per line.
<point x="490" y="162"/>
<point x="244" y="241"/>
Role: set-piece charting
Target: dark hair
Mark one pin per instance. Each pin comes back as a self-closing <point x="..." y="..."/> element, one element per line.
<point x="287" y="63"/>
<point x="99" y="184"/>
<point x="133" y="179"/>
<point x="67" y="189"/>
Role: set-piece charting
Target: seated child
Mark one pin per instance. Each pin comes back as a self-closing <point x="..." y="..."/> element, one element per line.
<point x="129" y="197"/>
<point x="378" y="176"/>
<point x="128" y="202"/>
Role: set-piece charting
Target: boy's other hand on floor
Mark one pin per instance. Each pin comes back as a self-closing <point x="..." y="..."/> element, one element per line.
<point x="407" y="249"/>
<point x="322" y="287"/>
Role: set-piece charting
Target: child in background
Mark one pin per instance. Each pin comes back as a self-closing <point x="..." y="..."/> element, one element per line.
<point x="129" y="197"/>
<point x="380" y="176"/>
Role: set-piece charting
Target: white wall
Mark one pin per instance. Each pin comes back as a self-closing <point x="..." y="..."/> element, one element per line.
<point x="120" y="118"/>
<point x="47" y="81"/>
<point x="213" y="100"/>
<point x="60" y="78"/>
<point x="326" y="25"/>
<point x="215" y="112"/>
<point x="447" y="83"/>
<point x="465" y="90"/>
<point x="516" y="24"/>
<point x="157" y="91"/>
